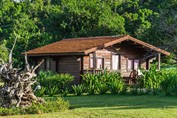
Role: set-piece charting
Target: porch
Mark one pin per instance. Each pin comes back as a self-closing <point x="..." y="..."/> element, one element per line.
<point x="125" y="57"/>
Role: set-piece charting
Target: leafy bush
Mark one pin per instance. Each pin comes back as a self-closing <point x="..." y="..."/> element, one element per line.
<point x="9" y="111"/>
<point x="169" y="84"/>
<point x="40" y="93"/>
<point x="54" y="83"/>
<point x="102" y="88"/>
<point x="52" y="90"/>
<point x="149" y="81"/>
<point x="116" y="86"/>
<point x="90" y="82"/>
<point x="78" y="89"/>
<point x="102" y="82"/>
<point x="50" y="106"/>
<point x="64" y="92"/>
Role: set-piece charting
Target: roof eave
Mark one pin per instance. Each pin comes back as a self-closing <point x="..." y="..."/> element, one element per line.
<point x="56" y="54"/>
<point x="127" y="37"/>
<point x="149" y="46"/>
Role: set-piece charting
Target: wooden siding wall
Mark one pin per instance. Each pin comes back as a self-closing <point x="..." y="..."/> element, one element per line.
<point x="53" y="65"/>
<point x="42" y="67"/>
<point x="124" y="66"/>
<point x="99" y="54"/>
<point x="70" y="65"/>
<point x="107" y="55"/>
<point x="86" y="62"/>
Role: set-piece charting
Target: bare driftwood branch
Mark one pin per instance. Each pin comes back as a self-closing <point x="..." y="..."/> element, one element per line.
<point x="17" y="89"/>
<point x="10" y="54"/>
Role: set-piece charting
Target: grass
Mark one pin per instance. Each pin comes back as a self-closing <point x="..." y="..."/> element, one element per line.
<point x="113" y="106"/>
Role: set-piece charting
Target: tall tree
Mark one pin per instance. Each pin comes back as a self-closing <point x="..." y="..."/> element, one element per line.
<point x="40" y="22"/>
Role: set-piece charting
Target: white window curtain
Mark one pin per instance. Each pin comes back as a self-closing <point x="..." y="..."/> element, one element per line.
<point x="136" y="64"/>
<point x="115" y="62"/>
<point x="99" y="63"/>
<point x="130" y="64"/>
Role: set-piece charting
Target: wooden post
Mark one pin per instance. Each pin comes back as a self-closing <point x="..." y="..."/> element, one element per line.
<point x="81" y="68"/>
<point x="94" y="62"/>
<point x="119" y="67"/>
<point x="159" y="60"/>
<point x="147" y="64"/>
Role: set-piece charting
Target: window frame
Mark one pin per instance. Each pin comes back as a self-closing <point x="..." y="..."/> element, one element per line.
<point x="91" y="66"/>
<point x="133" y="64"/>
<point x="118" y="63"/>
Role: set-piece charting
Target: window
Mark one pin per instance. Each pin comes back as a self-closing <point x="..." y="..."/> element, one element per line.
<point x="99" y="63"/>
<point x="130" y="64"/>
<point x="115" y="62"/>
<point x="133" y="64"/>
<point x="136" y="64"/>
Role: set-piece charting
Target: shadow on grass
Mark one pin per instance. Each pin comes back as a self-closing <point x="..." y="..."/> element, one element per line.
<point x="115" y="102"/>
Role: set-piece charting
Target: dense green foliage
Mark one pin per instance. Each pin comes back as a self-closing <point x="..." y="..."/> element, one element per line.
<point x="53" y="83"/>
<point x="78" y="89"/>
<point x="40" y="22"/>
<point x="102" y="82"/>
<point x="153" y="81"/>
<point x="3" y="53"/>
<point x="149" y="81"/>
<point x="169" y="84"/>
<point x="50" y="106"/>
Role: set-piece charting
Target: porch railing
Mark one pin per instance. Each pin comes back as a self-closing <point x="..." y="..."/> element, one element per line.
<point x="93" y="71"/>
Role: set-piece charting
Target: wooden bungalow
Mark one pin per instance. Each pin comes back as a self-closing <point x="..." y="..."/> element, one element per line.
<point x="78" y="55"/>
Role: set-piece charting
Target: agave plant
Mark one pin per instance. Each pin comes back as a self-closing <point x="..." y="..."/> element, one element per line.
<point x="78" y="89"/>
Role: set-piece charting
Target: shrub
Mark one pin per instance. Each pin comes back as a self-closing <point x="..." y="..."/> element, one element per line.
<point x="64" y="92"/>
<point x="52" y="90"/>
<point x="54" y="83"/>
<point x="50" y="106"/>
<point x="102" y="82"/>
<point x="90" y="82"/>
<point x="78" y="89"/>
<point x="41" y="92"/>
<point x="169" y="84"/>
<point x="149" y="81"/>
<point x="9" y="111"/>
<point x="116" y="86"/>
<point x="102" y="88"/>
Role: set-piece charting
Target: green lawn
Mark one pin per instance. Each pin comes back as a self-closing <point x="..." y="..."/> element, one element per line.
<point x="116" y="106"/>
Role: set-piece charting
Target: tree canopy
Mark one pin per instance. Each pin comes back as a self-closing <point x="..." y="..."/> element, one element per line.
<point x="40" y="22"/>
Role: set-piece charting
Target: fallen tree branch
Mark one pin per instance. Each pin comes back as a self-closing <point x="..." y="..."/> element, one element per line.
<point x="17" y="89"/>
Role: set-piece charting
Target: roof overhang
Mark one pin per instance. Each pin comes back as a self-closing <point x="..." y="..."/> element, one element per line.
<point x="81" y="52"/>
<point x="56" y="54"/>
<point x="127" y="38"/>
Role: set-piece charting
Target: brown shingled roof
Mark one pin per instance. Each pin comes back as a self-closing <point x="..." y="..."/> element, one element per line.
<point x="83" y="46"/>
